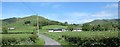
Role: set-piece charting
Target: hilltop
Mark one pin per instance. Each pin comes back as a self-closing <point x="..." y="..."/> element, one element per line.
<point x="104" y="21"/>
<point x="27" y="23"/>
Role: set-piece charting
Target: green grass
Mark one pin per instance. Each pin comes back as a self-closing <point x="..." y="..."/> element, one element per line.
<point x="53" y="26"/>
<point x="23" y="29"/>
<point x="15" y="36"/>
<point x="21" y="38"/>
<point x="39" y="41"/>
<point x="84" y="35"/>
<point x="95" y="35"/>
<point x="24" y="39"/>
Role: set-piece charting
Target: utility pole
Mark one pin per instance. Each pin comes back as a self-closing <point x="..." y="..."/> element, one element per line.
<point x="37" y="24"/>
<point x="37" y="28"/>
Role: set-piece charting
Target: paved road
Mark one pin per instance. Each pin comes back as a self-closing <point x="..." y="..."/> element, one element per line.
<point x="50" y="42"/>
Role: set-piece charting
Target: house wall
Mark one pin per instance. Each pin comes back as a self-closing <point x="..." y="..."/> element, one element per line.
<point x="50" y="31"/>
<point x="11" y="28"/>
<point x="54" y="31"/>
<point x="77" y="30"/>
<point x="57" y="31"/>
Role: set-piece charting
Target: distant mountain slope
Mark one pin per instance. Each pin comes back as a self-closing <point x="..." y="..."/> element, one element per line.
<point x="10" y="20"/>
<point x="105" y="21"/>
<point x="102" y="25"/>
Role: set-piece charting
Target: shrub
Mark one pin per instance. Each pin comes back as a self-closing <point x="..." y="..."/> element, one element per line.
<point x="4" y="30"/>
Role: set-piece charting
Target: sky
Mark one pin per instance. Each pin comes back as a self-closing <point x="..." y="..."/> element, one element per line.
<point x="72" y="12"/>
<point x="59" y="0"/>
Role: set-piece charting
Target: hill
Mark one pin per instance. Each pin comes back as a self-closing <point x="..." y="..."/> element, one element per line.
<point x="27" y="23"/>
<point x="102" y="25"/>
<point x="104" y="21"/>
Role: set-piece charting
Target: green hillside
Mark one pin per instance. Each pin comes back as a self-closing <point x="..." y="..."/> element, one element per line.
<point x="105" y="21"/>
<point x="27" y="24"/>
<point x="102" y="25"/>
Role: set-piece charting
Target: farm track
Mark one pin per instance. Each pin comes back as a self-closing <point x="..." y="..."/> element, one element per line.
<point x="50" y="42"/>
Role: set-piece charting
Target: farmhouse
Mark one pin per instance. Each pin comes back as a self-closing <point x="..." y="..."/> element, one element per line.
<point x="11" y="28"/>
<point x="57" y="30"/>
<point x="77" y="29"/>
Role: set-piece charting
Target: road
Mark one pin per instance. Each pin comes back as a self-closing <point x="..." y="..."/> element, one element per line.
<point x="50" y="42"/>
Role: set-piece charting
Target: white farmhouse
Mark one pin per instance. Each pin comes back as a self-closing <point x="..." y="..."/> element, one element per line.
<point x="11" y="28"/>
<point x="56" y="30"/>
<point x="77" y="29"/>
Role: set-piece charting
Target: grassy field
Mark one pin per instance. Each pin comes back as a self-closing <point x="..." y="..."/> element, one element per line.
<point x="21" y="39"/>
<point x="53" y="26"/>
<point x="83" y="35"/>
<point x="23" y="29"/>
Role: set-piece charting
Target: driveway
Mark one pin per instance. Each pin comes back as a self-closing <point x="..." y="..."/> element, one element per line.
<point x="50" y="42"/>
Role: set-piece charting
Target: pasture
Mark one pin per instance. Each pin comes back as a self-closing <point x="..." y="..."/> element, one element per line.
<point x="53" y="26"/>
<point x="21" y="39"/>
<point x="85" y="38"/>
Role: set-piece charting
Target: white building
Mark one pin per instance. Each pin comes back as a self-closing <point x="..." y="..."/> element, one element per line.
<point x="11" y="28"/>
<point x="56" y="30"/>
<point x="78" y="29"/>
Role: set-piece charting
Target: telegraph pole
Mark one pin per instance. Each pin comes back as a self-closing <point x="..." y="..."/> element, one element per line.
<point x="37" y="24"/>
<point x="37" y="28"/>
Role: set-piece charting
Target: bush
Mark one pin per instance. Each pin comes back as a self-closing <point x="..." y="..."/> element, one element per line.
<point x="105" y="42"/>
<point x="4" y="30"/>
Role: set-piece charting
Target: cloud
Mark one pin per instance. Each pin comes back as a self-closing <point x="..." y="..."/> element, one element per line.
<point x="111" y="5"/>
<point x="101" y="14"/>
<point x="78" y="14"/>
<point x="63" y="16"/>
<point x="78" y="17"/>
<point x="81" y="17"/>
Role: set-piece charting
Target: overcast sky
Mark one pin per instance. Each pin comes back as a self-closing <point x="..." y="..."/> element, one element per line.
<point x="72" y="12"/>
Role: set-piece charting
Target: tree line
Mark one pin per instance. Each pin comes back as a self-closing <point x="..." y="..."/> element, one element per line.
<point x="101" y="27"/>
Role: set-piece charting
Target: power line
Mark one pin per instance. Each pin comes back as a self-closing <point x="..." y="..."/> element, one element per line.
<point x="29" y="8"/>
<point x="36" y="15"/>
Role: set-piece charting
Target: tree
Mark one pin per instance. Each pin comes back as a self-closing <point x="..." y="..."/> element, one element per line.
<point x="108" y="26"/>
<point x="39" y="25"/>
<point x="100" y="28"/>
<point x="27" y="22"/>
<point x="4" y="30"/>
<point x="66" y="23"/>
<point x="70" y="27"/>
<point x="87" y="27"/>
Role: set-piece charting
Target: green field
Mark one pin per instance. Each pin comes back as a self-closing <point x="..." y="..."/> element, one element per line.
<point x="86" y="35"/>
<point x="23" y="29"/>
<point x="53" y="26"/>
<point x="21" y="39"/>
